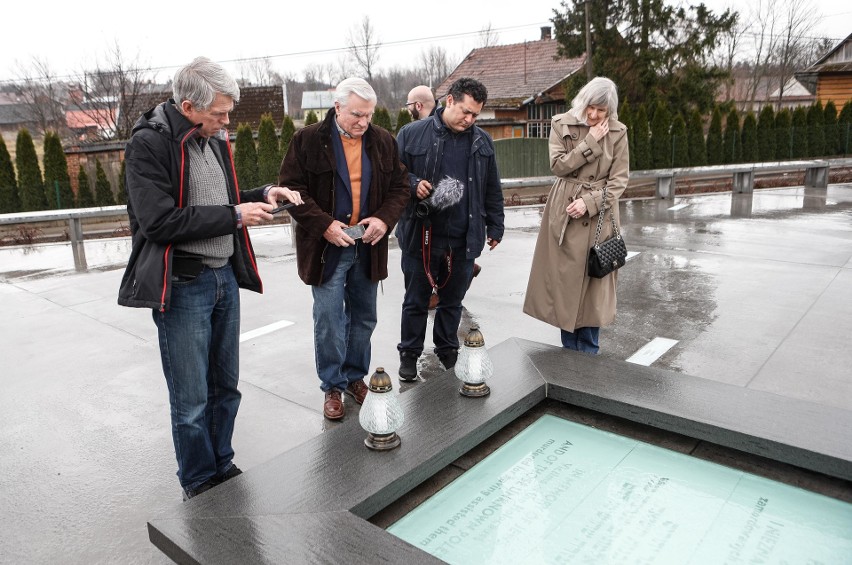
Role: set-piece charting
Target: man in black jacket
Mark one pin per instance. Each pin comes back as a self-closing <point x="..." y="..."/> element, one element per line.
<point x="456" y="208"/>
<point x="191" y="253"/>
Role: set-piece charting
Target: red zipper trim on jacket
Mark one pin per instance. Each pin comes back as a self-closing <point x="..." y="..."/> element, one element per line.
<point x="245" y="230"/>
<point x="180" y="205"/>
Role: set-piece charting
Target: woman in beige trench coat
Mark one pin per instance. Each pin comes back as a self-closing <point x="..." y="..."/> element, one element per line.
<point x="588" y="151"/>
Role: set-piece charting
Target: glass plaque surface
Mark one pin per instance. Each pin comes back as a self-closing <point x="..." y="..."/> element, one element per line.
<point x="562" y="492"/>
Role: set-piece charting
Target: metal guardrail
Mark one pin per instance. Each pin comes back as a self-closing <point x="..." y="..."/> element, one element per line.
<point x="74" y="217"/>
<point x="816" y="176"/>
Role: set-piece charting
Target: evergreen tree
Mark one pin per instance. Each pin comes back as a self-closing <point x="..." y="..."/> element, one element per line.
<point x="121" y="195"/>
<point x="311" y="118"/>
<point x="844" y="129"/>
<point x="799" y="131"/>
<point x="381" y="118"/>
<point x="652" y="50"/>
<point x="625" y="116"/>
<point x="697" y="148"/>
<point x="830" y="121"/>
<point x="103" y="189"/>
<point x="56" y="178"/>
<point x="288" y="130"/>
<point x="680" y="147"/>
<point x="85" y="199"/>
<point x="30" y="184"/>
<point x="816" y="131"/>
<point x="245" y="158"/>
<point x="402" y="118"/>
<point x="732" y="149"/>
<point x="715" y="154"/>
<point x="641" y="158"/>
<point x="749" y="139"/>
<point x="766" y="134"/>
<point x="661" y="138"/>
<point x="268" y="155"/>
<point x="783" y="135"/>
<point x="9" y="200"/>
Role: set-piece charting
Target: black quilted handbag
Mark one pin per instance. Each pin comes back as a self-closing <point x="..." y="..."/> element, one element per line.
<point x="609" y="255"/>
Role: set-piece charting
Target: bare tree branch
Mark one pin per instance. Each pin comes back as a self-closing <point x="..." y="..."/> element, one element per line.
<point x="364" y="44"/>
<point x="43" y="96"/>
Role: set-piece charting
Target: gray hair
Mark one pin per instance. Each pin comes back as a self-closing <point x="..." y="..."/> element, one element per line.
<point x="356" y="86"/>
<point x="201" y="80"/>
<point x="600" y="91"/>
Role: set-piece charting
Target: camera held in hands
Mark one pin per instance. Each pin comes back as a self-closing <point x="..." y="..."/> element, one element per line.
<point x="446" y="193"/>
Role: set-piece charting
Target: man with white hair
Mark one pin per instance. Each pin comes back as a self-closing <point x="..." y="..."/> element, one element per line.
<point x="354" y="188"/>
<point x="191" y="254"/>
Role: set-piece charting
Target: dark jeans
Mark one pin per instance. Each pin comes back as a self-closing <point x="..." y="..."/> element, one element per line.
<point x="199" y="346"/>
<point x="582" y="339"/>
<point x="415" y="305"/>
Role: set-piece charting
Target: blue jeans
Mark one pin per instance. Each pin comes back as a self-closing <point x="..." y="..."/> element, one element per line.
<point x="582" y="339"/>
<point x="415" y="305"/>
<point x="344" y="320"/>
<point x="199" y="345"/>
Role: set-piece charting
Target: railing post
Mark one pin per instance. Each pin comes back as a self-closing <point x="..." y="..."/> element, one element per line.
<point x="78" y="249"/>
<point x="744" y="181"/>
<point x="816" y="176"/>
<point x="666" y="187"/>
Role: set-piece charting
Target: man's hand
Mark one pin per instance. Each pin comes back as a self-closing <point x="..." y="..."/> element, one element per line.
<point x="424" y="189"/>
<point x="376" y="230"/>
<point x="335" y="236"/>
<point x="280" y="193"/>
<point x="255" y="213"/>
<point x="492" y="243"/>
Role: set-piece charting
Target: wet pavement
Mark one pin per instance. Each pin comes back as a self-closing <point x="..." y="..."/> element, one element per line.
<point x="750" y="291"/>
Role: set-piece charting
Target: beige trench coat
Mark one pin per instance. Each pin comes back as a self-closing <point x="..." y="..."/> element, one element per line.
<point x="559" y="291"/>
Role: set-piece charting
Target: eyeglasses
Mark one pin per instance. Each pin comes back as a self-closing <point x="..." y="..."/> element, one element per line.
<point x="407" y="104"/>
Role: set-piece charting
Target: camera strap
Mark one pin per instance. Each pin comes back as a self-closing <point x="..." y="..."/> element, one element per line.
<point x="427" y="256"/>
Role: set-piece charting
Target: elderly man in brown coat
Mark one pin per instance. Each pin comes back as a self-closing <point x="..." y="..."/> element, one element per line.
<point x="588" y="152"/>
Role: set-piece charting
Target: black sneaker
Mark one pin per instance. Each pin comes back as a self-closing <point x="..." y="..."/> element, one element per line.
<point x="448" y="359"/>
<point x="232" y="472"/>
<point x="203" y="487"/>
<point x="408" y="366"/>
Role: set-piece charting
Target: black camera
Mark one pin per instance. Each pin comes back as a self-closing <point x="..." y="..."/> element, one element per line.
<point x="423" y="208"/>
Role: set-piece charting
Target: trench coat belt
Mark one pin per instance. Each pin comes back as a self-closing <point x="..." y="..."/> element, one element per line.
<point x="579" y="186"/>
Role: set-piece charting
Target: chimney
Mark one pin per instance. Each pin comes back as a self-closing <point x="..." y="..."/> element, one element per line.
<point x="545" y="32"/>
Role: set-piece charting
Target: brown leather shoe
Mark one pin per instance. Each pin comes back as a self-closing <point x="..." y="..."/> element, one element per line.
<point x="332" y="408"/>
<point x="357" y="390"/>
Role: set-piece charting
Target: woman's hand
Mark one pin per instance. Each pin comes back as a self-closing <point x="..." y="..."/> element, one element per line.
<point x="600" y="129"/>
<point x="577" y="208"/>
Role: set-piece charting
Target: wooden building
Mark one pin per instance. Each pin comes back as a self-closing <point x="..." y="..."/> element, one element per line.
<point x="830" y="78"/>
<point x="524" y="82"/>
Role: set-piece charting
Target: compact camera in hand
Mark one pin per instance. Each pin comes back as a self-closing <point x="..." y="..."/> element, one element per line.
<point x="355" y="232"/>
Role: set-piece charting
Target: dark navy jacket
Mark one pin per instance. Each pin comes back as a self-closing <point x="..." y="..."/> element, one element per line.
<point x="421" y="147"/>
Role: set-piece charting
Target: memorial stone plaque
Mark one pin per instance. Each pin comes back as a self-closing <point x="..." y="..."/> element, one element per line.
<point x="562" y="492"/>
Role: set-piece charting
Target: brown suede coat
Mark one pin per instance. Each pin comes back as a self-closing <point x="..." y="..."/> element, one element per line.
<point x="559" y="291"/>
<point x="309" y="167"/>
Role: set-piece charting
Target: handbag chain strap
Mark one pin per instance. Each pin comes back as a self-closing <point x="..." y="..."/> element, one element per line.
<point x="600" y="219"/>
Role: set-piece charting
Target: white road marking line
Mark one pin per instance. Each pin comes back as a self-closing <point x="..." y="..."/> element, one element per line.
<point x="652" y="351"/>
<point x="678" y="207"/>
<point x="632" y="254"/>
<point x="265" y="330"/>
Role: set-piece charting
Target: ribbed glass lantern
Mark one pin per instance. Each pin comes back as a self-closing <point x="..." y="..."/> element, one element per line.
<point x="474" y="365"/>
<point x="381" y="414"/>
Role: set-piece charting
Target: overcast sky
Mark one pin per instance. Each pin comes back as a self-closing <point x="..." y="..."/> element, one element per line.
<point x="71" y="36"/>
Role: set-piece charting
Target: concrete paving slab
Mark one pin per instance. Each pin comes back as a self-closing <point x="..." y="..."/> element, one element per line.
<point x="755" y="291"/>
